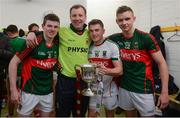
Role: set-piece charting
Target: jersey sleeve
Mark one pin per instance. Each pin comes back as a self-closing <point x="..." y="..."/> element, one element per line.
<point x="151" y="44"/>
<point x="17" y="44"/>
<point x="23" y="51"/>
<point x="115" y="52"/>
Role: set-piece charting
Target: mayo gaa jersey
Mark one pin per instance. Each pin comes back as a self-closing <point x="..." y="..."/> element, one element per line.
<point x="37" y="67"/>
<point x="73" y="50"/>
<point x="137" y="62"/>
<point x="105" y="54"/>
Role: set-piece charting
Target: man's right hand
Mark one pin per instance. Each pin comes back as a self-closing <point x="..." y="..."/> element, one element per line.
<point x="15" y="96"/>
<point x="31" y="40"/>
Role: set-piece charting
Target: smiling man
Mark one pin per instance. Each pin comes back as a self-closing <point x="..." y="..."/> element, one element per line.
<point x="37" y="71"/>
<point x="105" y="54"/>
<point x="138" y="49"/>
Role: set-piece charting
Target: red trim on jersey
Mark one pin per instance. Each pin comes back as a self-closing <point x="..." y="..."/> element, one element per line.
<point x="23" y="54"/>
<point x="106" y="62"/>
<point x="156" y="44"/>
<point x="26" y="71"/>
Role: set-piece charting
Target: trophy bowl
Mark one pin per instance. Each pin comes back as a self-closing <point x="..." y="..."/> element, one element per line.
<point x="88" y="74"/>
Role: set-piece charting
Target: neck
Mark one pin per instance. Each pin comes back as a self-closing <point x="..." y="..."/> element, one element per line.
<point x="129" y="33"/>
<point x="99" y="42"/>
<point x="49" y="41"/>
<point x="78" y="31"/>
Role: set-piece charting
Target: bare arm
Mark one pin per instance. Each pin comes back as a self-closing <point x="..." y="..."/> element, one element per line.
<point x="116" y="71"/>
<point x="164" y="76"/>
<point x="12" y="78"/>
<point x="31" y="40"/>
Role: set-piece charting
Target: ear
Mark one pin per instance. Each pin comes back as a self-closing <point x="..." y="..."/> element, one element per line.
<point x="116" y="21"/>
<point x="104" y="31"/>
<point x="134" y="18"/>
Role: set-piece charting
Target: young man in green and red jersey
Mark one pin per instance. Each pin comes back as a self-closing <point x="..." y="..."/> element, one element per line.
<point x="137" y="50"/>
<point x="37" y="71"/>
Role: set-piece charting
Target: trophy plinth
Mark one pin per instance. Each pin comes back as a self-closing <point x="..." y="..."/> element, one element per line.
<point x="88" y="73"/>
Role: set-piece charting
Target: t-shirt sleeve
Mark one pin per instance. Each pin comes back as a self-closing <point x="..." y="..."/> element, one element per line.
<point x="115" y="52"/>
<point x="151" y="44"/>
<point x="23" y="51"/>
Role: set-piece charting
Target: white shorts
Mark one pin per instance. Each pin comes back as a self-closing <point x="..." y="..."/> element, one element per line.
<point x="144" y="103"/>
<point x="109" y="103"/>
<point x="29" y="101"/>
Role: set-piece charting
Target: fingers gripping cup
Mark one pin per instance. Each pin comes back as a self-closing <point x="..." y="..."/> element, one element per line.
<point x="88" y="74"/>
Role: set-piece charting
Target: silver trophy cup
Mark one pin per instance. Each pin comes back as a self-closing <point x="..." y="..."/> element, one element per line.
<point x="88" y="74"/>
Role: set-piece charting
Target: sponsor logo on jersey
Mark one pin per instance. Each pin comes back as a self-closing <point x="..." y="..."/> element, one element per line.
<point x="77" y="49"/>
<point x="130" y="56"/>
<point x="46" y="64"/>
<point x="101" y="61"/>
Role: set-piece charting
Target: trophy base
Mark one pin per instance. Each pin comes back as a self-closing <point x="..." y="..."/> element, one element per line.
<point x="87" y="92"/>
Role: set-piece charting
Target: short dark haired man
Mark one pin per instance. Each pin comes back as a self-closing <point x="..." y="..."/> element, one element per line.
<point x="137" y="50"/>
<point x="37" y="71"/>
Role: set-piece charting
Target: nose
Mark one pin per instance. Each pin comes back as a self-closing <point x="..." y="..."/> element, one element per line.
<point x="123" y="22"/>
<point x="77" y="17"/>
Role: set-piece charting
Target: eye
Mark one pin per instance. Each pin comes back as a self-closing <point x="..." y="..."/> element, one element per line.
<point x="127" y="19"/>
<point x="120" y="20"/>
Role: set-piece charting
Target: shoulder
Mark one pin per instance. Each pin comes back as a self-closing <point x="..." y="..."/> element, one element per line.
<point x="110" y="42"/>
<point x="111" y="45"/>
<point x="63" y="28"/>
<point x="116" y="35"/>
<point x="144" y="34"/>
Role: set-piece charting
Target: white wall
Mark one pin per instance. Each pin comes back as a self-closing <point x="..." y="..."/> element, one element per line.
<point x="24" y="12"/>
<point x="106" y="11"/>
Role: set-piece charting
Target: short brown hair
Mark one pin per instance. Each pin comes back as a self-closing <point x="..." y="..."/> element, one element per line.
<point x="76" y="6"/>
<point x="123" y="9"/>
<point x="96" y="21"/>
<point x="12" y="28"/>
<point x="32" y="25"/>
<point x="52" y="17"/>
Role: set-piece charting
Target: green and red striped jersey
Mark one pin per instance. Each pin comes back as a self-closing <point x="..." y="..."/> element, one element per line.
<point x="37" y="67"/>
<point x="137" y="62"/>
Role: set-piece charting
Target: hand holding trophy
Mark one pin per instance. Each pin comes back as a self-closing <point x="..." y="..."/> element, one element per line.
<point x="88" y="74"/>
